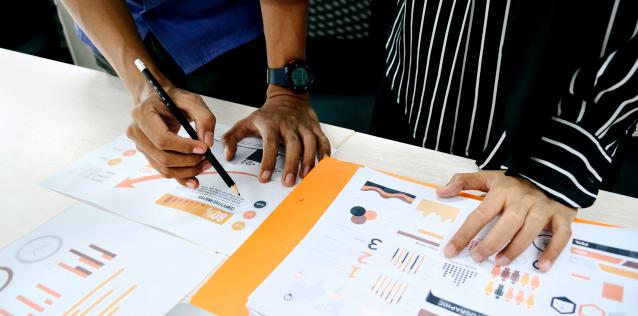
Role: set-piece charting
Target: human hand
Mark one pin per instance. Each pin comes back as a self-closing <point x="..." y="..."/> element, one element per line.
<point x="154" y="131"/>
<point x="524" y="209"/>
<point x="286" y="119"/>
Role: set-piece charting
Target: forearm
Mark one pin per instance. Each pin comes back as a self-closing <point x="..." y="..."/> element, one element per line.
<point x="285" y="31"/>
<point x="109" y="25"/>
<point x="597" y="110"/>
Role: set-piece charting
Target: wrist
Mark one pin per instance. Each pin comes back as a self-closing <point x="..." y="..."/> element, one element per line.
<point x="274" y="91"/>
<point x="141" y="89"/>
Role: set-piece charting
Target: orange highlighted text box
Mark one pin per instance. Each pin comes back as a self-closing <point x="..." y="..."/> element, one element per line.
<point x="595" y="255"/>
<point x="194" y="207"/>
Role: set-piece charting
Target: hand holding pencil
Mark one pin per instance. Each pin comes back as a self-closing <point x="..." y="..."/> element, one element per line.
<point x="155" y="126"/>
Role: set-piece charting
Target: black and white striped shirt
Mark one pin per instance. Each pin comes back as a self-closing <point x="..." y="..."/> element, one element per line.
<point x="546" y="89"/>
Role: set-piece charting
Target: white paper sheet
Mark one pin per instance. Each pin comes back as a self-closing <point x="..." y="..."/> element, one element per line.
<point x="391" y="263"/>
<point x="597" y="273"/>
<point x="314" y="278"/>
<point x="89" y="262"/>
<point x="118" y="178"/>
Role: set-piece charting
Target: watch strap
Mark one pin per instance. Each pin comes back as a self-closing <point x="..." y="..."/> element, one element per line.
<point x="277" y="76"/>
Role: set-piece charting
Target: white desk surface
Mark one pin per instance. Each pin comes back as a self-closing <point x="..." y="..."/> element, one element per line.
<point x="51" y="114"/>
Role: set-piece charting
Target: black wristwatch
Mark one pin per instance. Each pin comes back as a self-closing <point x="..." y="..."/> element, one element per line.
<point x="295" y="76"/>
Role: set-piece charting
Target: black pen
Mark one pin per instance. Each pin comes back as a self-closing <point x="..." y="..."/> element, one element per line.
<point x="177" y="112"/>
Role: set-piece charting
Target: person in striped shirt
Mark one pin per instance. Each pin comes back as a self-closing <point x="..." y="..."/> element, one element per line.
<point x="541" y="93"/>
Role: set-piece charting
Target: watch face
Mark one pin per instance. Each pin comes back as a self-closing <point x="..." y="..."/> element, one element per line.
<point x="299" y="77"/>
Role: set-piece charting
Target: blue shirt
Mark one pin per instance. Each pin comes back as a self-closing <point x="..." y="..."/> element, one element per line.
<point x="194" y="32"/>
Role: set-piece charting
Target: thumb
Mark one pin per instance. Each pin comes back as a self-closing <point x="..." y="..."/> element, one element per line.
<point x="464" y="181"/>
<point x="238" y="132"/>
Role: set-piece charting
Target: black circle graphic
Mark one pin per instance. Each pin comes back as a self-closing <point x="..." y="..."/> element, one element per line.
<point x="357" y="211"/>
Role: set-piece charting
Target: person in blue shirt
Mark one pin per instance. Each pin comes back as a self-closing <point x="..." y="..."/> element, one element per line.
<point x="220" y="48"/>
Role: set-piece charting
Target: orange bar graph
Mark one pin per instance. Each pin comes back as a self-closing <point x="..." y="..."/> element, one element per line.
<point x="73" y="270"/>
<point x="119" y="299"/>
<point x="595" y="255"/>
<point x="30" y="303"/>
<point x="48" y="290"/>
<point x="117" y="308"/>
<point x="98" y="287"/>
<point x="105" y="253"/>
<point x="4" y="313"/>
<point x="431" y="234"/>
<point x="619" y="271"/>
<point x="98" y="301"/>
<point x="90" y="263"/>
<point x="580" y="276"/>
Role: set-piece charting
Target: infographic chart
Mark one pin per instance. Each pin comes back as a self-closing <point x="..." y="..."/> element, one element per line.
<point x="374" y="244"/>
<point x="118" y="178"/>
<point x="390" y="262"/>
<point x="601" y="273"/>
<point x="88" y="262"/>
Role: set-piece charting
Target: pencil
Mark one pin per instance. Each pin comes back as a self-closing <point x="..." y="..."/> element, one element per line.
<point x="185" y="124"/>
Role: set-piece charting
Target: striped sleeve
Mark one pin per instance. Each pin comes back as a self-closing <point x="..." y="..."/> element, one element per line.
<point x="598" y="109"/>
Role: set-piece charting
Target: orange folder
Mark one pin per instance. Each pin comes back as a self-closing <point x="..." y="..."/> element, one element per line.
<point x="226" y="292"/>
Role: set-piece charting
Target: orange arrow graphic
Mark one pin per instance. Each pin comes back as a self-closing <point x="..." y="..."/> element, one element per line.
<point x="129" y="183"/>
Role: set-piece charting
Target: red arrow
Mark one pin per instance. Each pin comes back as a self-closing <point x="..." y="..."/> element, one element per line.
<point x="128" y="182"/>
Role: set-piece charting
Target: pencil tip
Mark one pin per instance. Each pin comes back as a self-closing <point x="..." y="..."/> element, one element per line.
<point x="235" y="190"/>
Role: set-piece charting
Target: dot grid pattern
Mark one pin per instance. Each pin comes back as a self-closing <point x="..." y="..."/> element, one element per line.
<point x="473" y="244"/>
<point x="457" y="274"/>
<point x="339" y="19"/>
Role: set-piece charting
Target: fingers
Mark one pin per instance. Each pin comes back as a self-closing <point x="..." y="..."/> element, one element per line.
<point x="196" y="109"/>
<point x="151" y="123"/>
<point x="269" y="158"/>
<point x="465" y="181"/>
<point x="309" y="150"/>
<point x="192" y="182"/>
<point x="238" y="132"/>
<point x="162" y="157"/>
<point x="502" y="232"/>
<point x="534" y="223"/>
<point x="180" y="172"/>
<point x="184" y="175"/>
<point x="183" y="167"/>
<point x="491" y="205"/>
<point x="291" y="163"/>
<point x="562" y="232"/>
<point x="323" y="144"/>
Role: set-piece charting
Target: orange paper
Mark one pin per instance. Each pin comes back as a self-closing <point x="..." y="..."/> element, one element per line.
<point x="227" y="291"/>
